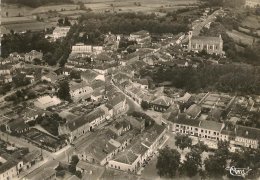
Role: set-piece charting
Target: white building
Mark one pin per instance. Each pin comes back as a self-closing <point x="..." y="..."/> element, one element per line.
<point x="60" y="32"/>
<point x="80" y="91"/>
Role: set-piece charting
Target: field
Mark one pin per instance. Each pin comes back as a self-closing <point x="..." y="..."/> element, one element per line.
<point x="145" y="5"/>
<point x="252" y="22"/>
<point x="33" y="26"/>
<point x="27" y="15"/>
<point x="240" y="37"/>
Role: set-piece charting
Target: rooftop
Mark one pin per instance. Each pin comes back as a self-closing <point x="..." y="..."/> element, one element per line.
<point x="211" y="125"/>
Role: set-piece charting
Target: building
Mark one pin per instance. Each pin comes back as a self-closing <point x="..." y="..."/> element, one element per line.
<point x="131" y="159"/>
<point x="140" y="37"/>
<point x="100" y="151"/>
<point x="81" y="48"/>
<point x="118" y="104"/>
<point x="162" y="103"/>
<point x="52" y="77"/>
<point x="203" y="129"/>
<point x="252" y="3"/>
<point x="8" y="169"/>
<point x="246" y="137"/>
<point x="78" y="127"/>
<point x="17" y="127"/>
<point x="30" y="56"/>
<point x="142" y="83"/>
<point x="212" y="45"/>
<point x="60" y="32"/>
<point x="193" y="111"/>
<point x="80" y="91"/>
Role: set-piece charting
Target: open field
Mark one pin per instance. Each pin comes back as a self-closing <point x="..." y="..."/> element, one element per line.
<point x="252" y="22"/>
<point x="241" y="37"/>
<point x="33" y="26"/>
<point x="145" y="5"/>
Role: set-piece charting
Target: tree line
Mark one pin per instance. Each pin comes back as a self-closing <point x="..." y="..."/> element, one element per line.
<point x="126" y="23"/>
<point x="231" y="78"/>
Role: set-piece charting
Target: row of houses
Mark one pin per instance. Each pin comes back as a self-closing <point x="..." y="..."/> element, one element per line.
<point x="239" y="136"/>
<point x="13" y="164"/>
<point x="81" y="125"/>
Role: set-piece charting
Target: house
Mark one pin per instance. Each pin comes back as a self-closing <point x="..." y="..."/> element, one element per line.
<point x="140" y="37"/>
<point x="100" y="151"/>
<point x="184" y="125"/>
<point x="5" y="69"/>
<point x="46" y="101"/>
<point x="137" y="123"/>
<point x="17" y="127"/>
<point x="4" y="79"/>
<point x="120" y="78"/>
<point x="96" y="96"/>
<point x="212" y="45"/>
<point x="193" y="111"/>
<point x="47" y="173"/>
<point x="52" y="77"/>
<point x="142" y="83"/>
<point x="85" y="167"/>
<point x="120" y="127"/>
<point x="162" y="103"/>
<point x="118" y="103"/>
<point x="210" y="129"/>
<point x="60" y="32"/>
<point x="88" y="76"/>
<point x="29" y="57"/>
<point x="78" y="127"/>
<point x="80" y="91"/>
<point x="8" y="169"/>
<point x="125" y="161"/>
<point x="247" y="137"/>
<point x="31" y="159"/>
<point x="252" y="3"/>
<point x="81" y="48"/>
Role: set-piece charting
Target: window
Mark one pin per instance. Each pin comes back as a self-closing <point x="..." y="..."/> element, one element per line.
<point x="196" y="129"/>
<point x="205" y="131"/>
<point x="201" y="130"/>
<point x="177" y="125"/>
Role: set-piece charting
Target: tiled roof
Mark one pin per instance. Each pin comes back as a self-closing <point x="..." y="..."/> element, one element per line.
<point x="181" y="119"/>
<point x="248" y="132"/>
<point x="126" y="157"/>
<point x="72" y="125"/>
<point x="193" y="110"/>
<point x="211" y="125"/>
<point x="163" y="100"/>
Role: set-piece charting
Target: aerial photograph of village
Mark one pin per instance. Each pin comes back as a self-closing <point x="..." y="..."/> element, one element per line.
<point x="130" y="90"/>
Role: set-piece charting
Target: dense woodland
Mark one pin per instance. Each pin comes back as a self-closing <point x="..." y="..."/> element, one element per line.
<point x="126" y="23"/>
<point x="241" y="79"/>
<point x="36" y="3"/>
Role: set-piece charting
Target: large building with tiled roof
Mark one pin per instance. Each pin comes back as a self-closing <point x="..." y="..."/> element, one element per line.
<point x="212" y="45"/>
<point x="162" y="103"/>
<point x="80" y="126"/>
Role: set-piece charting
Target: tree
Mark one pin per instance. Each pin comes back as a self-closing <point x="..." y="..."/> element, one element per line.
<point x="64" y="91"/>
<point x="74" y="160"/>
<point x="145" y="105"/>
<point x="192" y="164"/>
<point x="75" y="74"/>
<point x="168" y="162"/>
<point x="183" y="141"/>
<point x="66" y="22"/>
<point x="200" y="146"/>
<point x="216" y="164"/>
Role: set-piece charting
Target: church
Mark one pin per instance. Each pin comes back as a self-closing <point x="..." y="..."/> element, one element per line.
<point x="212" y="45"/>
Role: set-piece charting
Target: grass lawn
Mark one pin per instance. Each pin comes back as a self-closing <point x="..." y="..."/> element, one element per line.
<point x="240" y="37"/>
<point x="252" y="21"/>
